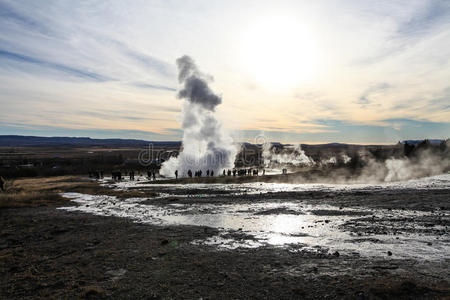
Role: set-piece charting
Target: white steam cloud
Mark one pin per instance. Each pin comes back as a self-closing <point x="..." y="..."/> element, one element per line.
<point x="423" y="163"/>
<point x="287" y="156"/>
<point x="206" y="146"/>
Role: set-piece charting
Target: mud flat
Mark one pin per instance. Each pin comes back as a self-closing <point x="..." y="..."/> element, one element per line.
<point x="232" y="241"/>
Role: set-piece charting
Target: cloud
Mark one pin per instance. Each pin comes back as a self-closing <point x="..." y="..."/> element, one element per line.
<point x="434" y="13"/>
<point x="11" y="15"/>
<point x="6" y="55"/>
<point x="364" y="99"/>
<point x="62" y="57"/>
<point x="17" y="129"/>
<point x="154" y="86"/>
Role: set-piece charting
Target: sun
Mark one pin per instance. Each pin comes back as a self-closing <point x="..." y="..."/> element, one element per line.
<point x="279" y="52"/>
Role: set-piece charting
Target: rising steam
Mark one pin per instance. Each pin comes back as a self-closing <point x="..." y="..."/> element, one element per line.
<point x="363" y="166"/>
<point x="206" y="146"/>
<point x="287" y="156"/>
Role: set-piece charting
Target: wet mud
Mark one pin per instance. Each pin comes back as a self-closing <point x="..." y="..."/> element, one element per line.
<point x="375" y="243"/>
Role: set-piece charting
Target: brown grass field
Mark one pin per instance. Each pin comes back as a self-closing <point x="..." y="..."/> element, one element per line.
<point x="46" y="191"/>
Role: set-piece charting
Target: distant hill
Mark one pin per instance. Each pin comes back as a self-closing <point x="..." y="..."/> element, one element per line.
<point x="37" y="141"/>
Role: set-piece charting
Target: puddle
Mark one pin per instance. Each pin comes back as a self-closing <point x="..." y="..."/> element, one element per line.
<point x="312" y="227"/>
<point x="434" y="182"/>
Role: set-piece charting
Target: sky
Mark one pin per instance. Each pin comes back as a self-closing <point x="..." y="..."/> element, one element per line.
<point x="289" y="71"/>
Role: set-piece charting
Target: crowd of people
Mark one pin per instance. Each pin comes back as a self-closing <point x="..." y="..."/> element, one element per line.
<point x="199" y="173"/>
<point x="233" y="172"/>
<point x="121" y="175"/>
<point x="151" y="174"/>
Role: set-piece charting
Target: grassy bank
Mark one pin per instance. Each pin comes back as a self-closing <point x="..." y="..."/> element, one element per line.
<point x="46" y="191"/>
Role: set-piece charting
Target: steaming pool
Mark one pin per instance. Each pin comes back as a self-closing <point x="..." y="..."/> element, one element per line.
<point x="251" y="215"/>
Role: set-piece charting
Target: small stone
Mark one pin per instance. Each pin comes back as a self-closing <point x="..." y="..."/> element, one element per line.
<point x="389" y="253"/>
<point x="93" y="291"/>
<point x="429" y="243"/>
<point x="336" y="253"/>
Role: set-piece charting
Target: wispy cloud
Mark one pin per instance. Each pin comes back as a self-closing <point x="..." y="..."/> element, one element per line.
<point x="15" y="18"/>
<point x="434" y="13"/>
<point x="154" y="86"/>
<point x="109" y="65"/>
<point x="364" y="99"/>
<point x="148" y="61"/>
<point x="11" y="56"/>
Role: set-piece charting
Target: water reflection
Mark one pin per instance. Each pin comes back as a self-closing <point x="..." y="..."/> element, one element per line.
<point x="277" y="224"/>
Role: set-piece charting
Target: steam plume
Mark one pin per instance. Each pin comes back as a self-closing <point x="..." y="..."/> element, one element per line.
<point x="285" y="157"/>
<point x="206" y="146"/>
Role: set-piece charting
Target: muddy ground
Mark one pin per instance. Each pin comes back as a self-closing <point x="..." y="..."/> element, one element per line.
<point x="50" y="253"/>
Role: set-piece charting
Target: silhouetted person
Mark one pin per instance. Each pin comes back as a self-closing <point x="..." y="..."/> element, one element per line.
<point x="190" y="173"/>
<point x="154" y="175"/>
<point x="264" y="172"/>
<point x="212" y="173"/>
<point x="2" y="184"/>
<point x="200" y="173"/>
<point x="229" y="172"/>
<point x="408" y="149"/>
<point x="207" y="172"/>
<point x="224" y="173"/>
<point x="117" y="176"/>
<point x="234" y="172"/>
<point x="176" y="174"/>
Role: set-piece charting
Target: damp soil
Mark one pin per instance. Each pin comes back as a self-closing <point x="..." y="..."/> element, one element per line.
<point x="47" y="252"/>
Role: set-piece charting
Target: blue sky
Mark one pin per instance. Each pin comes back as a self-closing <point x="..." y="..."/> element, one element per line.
<point x="293" y="71"/>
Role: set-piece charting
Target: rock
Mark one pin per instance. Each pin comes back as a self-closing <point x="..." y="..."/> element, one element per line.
<point x="298" y="291"/>
<point x="164" y="242"/>
<point x="116" y="274"/>
<point x="93" y="291"/>
<point x="336" y="253"/>
<point x="429" y="243"/>
<point x="389" y="253"/>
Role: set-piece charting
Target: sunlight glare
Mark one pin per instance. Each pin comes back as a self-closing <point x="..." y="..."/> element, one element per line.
<point x="279" y="52"/>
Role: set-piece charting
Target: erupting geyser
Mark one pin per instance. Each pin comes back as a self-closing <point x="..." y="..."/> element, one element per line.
<point x="206" y="146"/>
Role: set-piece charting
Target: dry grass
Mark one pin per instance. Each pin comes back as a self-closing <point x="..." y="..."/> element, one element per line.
<point x="29" y="199"/>
<point x="46" y="191"/>
<point x="32" y="192"/>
